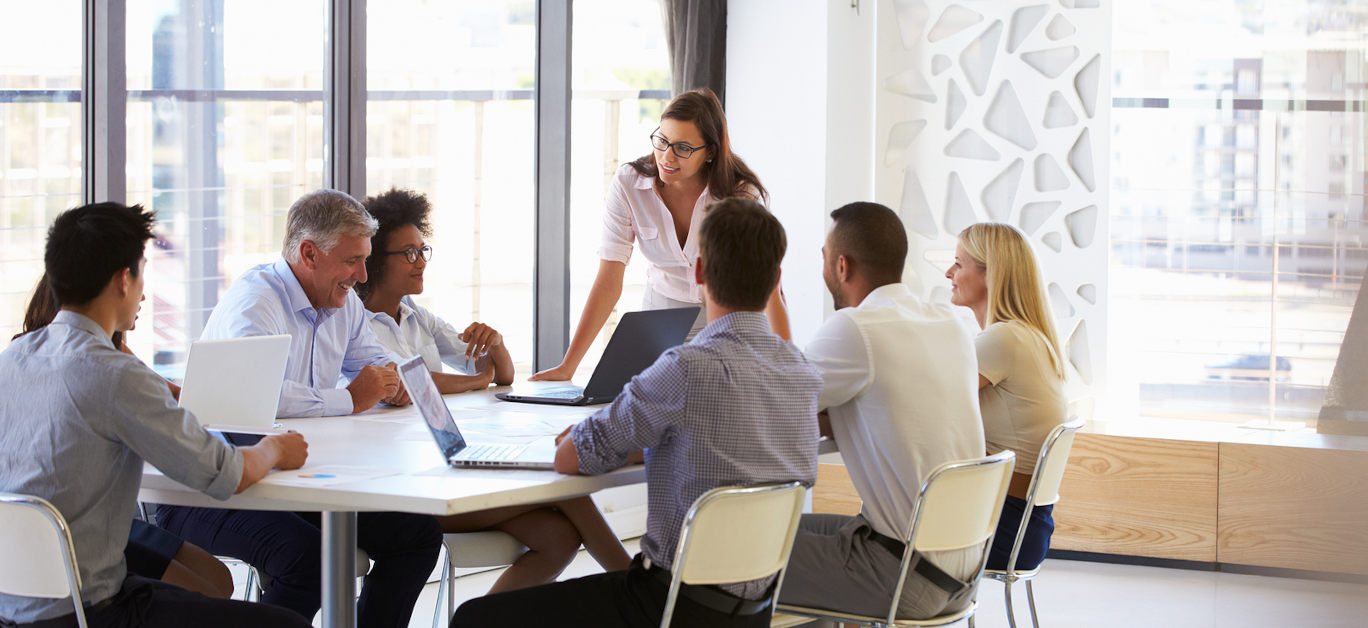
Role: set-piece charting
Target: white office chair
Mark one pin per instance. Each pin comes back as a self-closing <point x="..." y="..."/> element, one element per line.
<point x="37" y="553"/>
<point x="489" y="548"/>
<point x="957" y="507"/>
<point x="1043" y="491"/>
<point x="735" y="534"/>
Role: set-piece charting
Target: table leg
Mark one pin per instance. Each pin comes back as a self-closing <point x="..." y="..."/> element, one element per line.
<point x="339" y="569"/>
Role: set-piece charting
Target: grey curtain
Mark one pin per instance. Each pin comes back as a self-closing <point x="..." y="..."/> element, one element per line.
<point x="697" y="34"/>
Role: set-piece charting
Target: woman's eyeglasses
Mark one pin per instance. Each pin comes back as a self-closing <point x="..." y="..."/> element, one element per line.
<point x="412" y="254"/>
<point x="682" y="150"/>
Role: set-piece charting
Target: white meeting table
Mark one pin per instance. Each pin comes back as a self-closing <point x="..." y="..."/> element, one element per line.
<point x="385" y="460"/>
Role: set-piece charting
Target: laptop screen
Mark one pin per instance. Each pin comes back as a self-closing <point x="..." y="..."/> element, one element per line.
<point x="435" y="413"/>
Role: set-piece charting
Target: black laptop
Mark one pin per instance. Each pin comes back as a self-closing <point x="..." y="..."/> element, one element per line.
<point x="639" y="339"/>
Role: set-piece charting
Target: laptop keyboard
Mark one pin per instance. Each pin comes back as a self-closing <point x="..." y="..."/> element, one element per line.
<point x="491" y="452"/>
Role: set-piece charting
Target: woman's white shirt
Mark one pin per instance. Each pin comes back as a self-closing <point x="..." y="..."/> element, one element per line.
<point x="1024" y="399"/>
<point x="634" y="212"/>
<point x="420" y="332"/>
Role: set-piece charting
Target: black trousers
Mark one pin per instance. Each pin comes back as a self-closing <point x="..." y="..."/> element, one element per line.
<point x="619" y="599"/>
<point x="286" y="546"/>
<point x="1033" y="546"/>
<point x="143" y="602"/>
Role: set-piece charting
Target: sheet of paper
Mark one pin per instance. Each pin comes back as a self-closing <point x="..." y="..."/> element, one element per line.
<point x="326" y="475"/>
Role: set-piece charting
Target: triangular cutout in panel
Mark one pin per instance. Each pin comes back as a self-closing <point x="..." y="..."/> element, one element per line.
<point x="1024" y="21"/>
<point x="959" y="212"/>
<point x="1006" y="119"/>
<point x="900" y="137"/>
<point x="1051" y="62"/>
<point x="1000" y="193"/>
<point x="915" y="211"/>
<point x="977" y="58"/>
<point x="910" y="82"/>
<point x="955" y="19"/>
<point x="1058" y="113"/>
<point x="971" y="145"/>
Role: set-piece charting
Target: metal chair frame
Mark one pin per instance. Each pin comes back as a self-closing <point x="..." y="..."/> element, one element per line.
<point x="1051" y="448"/>
<point x="1003" y="462"/>
<point x="688" y="535"/>
<point x="65" y="546"/>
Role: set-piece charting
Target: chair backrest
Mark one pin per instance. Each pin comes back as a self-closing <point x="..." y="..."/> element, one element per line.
<point x="957" y="507"/>
<point x="1050" y="466"/>
<point x="960" y="502"/>
<point x="735" y="534"/>
<point x="36" y="551"/>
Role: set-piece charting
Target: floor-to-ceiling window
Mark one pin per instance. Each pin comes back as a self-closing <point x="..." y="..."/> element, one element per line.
<point x="40" y="140"/>
<point x="219" y="113"/>
<point x="1239" y="234"/>
<point x="621" y="82"/>
<point x="224" y="131"/>
<point x="449" y="114"/>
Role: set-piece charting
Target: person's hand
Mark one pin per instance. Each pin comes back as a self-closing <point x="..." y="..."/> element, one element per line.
<point x="483" y="378"/>
<point x="291" y="449"/>
<point x="565" y="432"/>
<point x="373" y="385"/>
<point x="401" y="396"/>
<point x="559" y="373"/>
<point x="479" y="339"/>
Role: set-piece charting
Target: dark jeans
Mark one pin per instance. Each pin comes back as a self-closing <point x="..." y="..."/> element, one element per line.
<point x="143" y="602"/>
<point x="1033" y="545"/>
<point x="150" y="549"/>
<point x="617" y="599"/>
<point x="286" y="546"/>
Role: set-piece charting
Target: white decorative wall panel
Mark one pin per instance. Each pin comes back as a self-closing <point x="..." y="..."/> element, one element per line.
<point x="996" y="110"/>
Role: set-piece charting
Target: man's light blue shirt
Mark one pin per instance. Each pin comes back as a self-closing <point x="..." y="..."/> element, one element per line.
<point x="79" y="419"/>
<point x="325" y="344"/>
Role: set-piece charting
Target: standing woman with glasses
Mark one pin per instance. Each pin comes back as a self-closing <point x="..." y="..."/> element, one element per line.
<point x="658" y="201"/>
<point x="394" y="272"/>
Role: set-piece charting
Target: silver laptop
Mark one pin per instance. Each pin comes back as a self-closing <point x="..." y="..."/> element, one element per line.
<point x="539" y="454"/>
<point x="233" y="385"/>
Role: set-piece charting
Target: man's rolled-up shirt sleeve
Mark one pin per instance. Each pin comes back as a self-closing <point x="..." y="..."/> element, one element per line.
<point x="147" y="419"/>
<point x="640" y="418"/>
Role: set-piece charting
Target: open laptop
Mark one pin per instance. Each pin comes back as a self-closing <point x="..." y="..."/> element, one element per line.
<point x="233" y="385"/>
<point x="539" y="454"/>
<point x="639" y="339"/>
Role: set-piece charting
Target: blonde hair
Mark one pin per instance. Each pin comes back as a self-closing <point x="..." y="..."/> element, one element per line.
<point x="1016" y="291"/>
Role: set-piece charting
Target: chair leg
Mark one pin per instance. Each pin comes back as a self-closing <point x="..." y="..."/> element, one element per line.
<point x="441" y="594"/>
<point x="1007" y="595"/>
<point x="1030" y="597"/>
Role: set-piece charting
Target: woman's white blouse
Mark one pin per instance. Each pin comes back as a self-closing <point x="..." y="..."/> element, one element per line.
<point x="420" y="332"/>
<point x="634" y="212"/>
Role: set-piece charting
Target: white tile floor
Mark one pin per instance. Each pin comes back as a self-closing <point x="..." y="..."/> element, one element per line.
<point x="1076" y="594"/>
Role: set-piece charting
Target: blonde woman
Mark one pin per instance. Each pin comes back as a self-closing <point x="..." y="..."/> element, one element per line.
<point x="1021" y="369"/>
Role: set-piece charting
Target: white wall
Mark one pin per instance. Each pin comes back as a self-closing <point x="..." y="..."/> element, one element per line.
<point x="804" y="128"/>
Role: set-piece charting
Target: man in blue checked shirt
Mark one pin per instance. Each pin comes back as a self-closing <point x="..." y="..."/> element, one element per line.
<point x="735" y="406"/>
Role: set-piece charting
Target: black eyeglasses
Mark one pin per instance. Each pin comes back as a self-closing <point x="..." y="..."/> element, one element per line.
<point x="411" y="254"/>
<point x="682" y="150"/>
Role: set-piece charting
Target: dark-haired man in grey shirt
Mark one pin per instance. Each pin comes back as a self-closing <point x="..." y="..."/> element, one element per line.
<point x="80" y="417"/>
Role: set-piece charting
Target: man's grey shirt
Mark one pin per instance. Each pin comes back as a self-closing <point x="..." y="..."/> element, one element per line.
<point x="80" y="417"/>
<point x="736" y="406"/>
